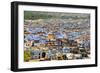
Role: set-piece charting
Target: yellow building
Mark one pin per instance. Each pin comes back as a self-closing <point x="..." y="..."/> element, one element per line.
<point x="51" y="36"/>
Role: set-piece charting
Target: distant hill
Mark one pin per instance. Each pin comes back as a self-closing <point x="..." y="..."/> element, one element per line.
<point x="33" y="15"/>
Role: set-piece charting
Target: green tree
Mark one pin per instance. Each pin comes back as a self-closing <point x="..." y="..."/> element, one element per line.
<point x="27" y="56"/>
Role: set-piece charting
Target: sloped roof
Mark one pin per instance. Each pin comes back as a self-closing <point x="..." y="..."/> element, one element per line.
<point x="32" y="37"/>
<point x="59" y="35"/>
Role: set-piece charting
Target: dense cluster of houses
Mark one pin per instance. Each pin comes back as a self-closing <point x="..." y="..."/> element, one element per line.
<point x="40" y="45"/>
